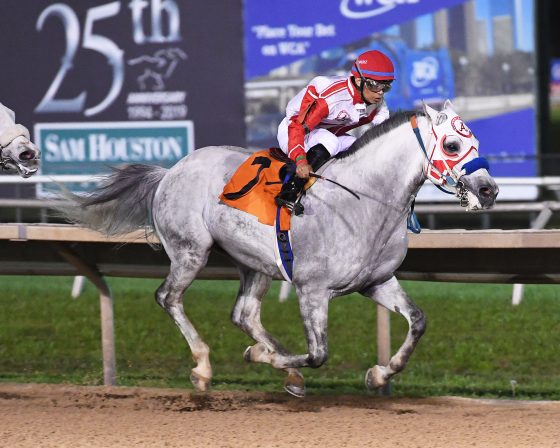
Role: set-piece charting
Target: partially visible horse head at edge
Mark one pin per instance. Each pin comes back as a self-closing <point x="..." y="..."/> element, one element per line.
<point x="17" y="151"/>
<point x="341" y="245"/>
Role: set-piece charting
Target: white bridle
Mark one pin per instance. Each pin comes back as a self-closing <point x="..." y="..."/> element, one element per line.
<point x="452" y="150"/>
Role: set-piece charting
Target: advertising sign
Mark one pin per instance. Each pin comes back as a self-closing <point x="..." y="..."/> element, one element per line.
<point x="279" y="33"/>
<point x="98" y="64"/>
<point x="477" y="53"/>
<point x="88" y="148"/>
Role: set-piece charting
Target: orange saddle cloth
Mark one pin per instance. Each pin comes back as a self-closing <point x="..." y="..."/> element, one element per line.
<point x="253" y="187"/>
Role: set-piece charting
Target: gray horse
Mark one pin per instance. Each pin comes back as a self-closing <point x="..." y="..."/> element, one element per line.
<point x="17" y="152"/>
<point x="341" y="245"/>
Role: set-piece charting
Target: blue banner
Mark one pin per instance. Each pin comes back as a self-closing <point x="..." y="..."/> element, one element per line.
<point x="512" y="154"/>
<point x="278" y="33"/>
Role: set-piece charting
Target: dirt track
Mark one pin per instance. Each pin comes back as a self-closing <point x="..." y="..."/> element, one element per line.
<point x="71" y="416"/>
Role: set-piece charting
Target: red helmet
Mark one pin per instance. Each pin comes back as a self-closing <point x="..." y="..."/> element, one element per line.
<point x="373" y="65"/>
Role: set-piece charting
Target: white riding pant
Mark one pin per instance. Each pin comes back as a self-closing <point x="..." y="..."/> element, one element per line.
<point x="331" y="142"/>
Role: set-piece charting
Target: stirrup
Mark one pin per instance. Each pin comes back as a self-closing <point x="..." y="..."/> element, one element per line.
<point x="293" y="207"/>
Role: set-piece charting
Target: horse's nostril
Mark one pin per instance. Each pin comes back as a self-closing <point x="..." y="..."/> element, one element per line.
<point x="26" y="155"/>
<point x="485" y="191"/>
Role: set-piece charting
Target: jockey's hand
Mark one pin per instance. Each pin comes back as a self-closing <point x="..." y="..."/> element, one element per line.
<point x="303" y="170"/>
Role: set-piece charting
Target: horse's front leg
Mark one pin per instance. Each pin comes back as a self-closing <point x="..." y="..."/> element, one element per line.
<point x="314" y="309"/>
<point x="391" y="295"/>
<point x="247" y="316"/>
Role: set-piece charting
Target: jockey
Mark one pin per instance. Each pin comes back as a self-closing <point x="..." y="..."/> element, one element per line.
<point x="320" y="115"/>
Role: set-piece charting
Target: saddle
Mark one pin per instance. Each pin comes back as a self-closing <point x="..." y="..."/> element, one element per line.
<point x="256" y="183"/>
<point x="252" y="189"/>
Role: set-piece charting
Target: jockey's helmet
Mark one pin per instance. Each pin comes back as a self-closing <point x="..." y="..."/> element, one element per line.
<point x="373" y="65"/>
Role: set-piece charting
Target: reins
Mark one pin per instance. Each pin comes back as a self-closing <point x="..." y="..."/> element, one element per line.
<point x="317" y="176"/>
<point x="451" y="179"/>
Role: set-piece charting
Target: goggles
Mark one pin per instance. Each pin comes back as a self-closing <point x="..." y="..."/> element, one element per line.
<point x="377" y="86"/>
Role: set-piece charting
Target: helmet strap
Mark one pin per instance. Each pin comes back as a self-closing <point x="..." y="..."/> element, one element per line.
<point x="361" y="88"/>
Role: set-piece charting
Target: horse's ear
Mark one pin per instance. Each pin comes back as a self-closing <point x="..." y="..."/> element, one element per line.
<point x="448" y="105"/>
<point x="430" y="112"/>
<point x="11" y="114"/>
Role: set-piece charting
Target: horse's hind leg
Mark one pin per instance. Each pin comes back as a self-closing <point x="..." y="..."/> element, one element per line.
<point x="391" y="295"/>
<point x="170" y="297"/>
<point x="247" y="316"/>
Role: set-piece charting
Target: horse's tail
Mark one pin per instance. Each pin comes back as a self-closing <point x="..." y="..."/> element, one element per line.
<point x="122" y="204"/>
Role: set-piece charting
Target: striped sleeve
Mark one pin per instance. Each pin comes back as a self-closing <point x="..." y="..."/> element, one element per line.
<point x="312" y="110"/>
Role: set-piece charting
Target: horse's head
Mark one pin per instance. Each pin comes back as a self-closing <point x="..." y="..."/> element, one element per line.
<point x="17" y="152"/>
<point x="453" y="161"/>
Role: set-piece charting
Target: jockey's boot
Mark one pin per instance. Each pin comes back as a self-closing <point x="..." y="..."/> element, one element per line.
<point x="288" y="196"/>
<point x="317" y="156"/>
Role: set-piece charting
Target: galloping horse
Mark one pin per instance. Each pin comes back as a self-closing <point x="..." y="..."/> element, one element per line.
<point x="340" y="246"/>
<point x="17" y="152"/>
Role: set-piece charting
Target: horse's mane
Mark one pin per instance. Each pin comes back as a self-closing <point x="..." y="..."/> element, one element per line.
<point x="394" y="121"/>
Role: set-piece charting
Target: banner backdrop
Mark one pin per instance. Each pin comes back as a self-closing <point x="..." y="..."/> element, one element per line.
<point x="279" y="33"/>
<point x="128" y="66"/>
<point x="478" y="53"/>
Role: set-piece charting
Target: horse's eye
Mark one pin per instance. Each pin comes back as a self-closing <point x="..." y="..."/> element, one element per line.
<point x="452" y="147"/>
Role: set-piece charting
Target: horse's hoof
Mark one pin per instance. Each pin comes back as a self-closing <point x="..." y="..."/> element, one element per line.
<point x="200" y="383"/>
<point x="295" y="384"/>
<point x="376" y="377"/>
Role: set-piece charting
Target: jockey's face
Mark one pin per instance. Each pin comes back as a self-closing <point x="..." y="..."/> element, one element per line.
<point x="371" y="95"/>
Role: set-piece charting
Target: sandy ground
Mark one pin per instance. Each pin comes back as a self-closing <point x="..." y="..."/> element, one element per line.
<point x="37" y="415"/>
